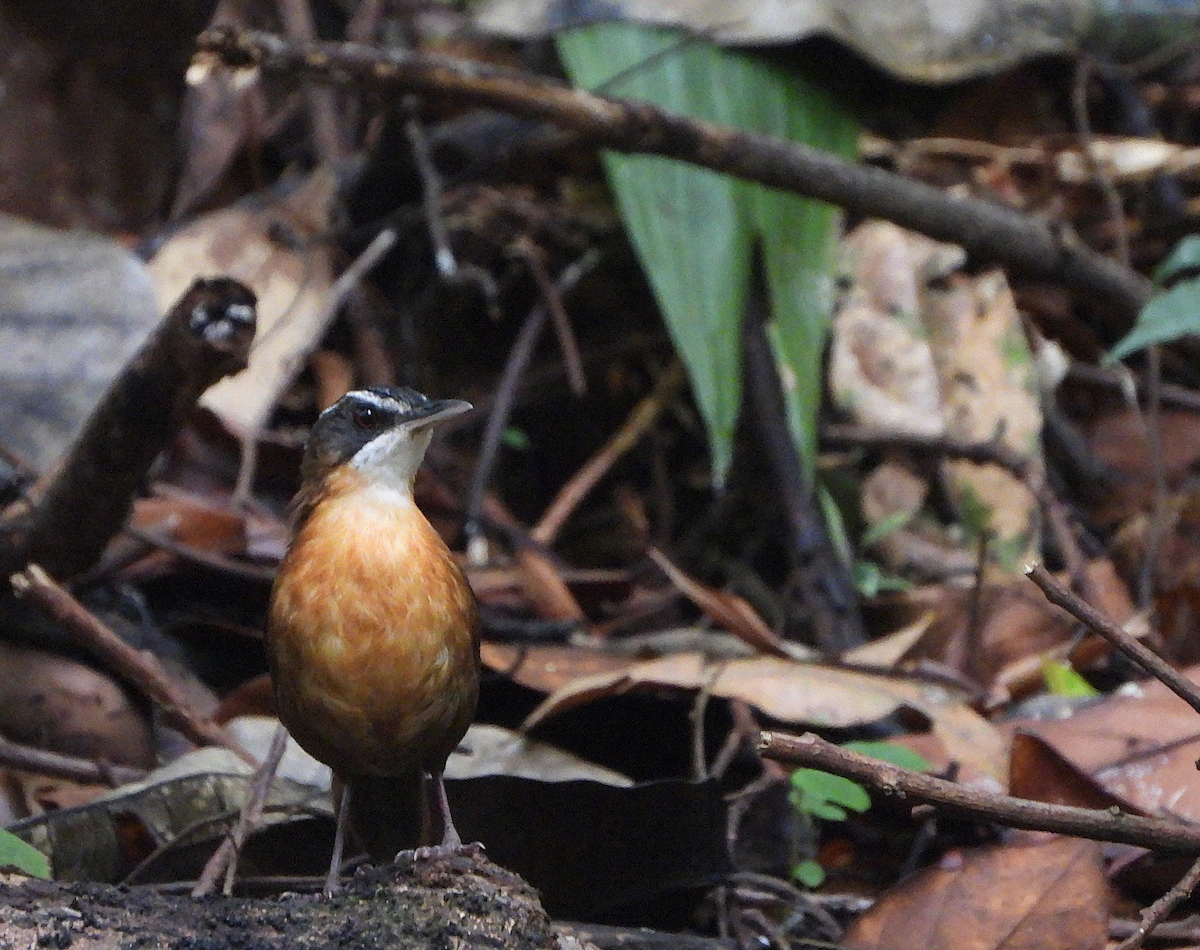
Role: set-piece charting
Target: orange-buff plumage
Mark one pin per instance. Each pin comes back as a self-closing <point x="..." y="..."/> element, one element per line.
<point x="373" y="635"/>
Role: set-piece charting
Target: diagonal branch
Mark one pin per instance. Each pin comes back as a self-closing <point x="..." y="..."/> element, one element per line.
<point x="989" y="232"/>
<point x="1111" y="825"/>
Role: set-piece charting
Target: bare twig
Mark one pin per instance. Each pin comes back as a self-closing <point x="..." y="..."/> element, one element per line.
<point x="535" y="259"/>
<point x="812" y="751"/>
<point x="993" y="451"/>
<point x="988" y="231"/>
<point x="225" y="858"/>
<point x="636" y="425"/>
<point x="13" y="755"/>
<point x="1153" y="664"/>
<point x="1157" y="912"/>
<point x="322" y="109"/>
<point x="142" y="669"/>
<point x="506" y="390"/>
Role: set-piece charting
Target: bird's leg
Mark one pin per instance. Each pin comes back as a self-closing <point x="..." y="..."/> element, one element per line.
<point x="341" y="805"/>
<point x="450" y="837"/>
<point x="452" y="843"/>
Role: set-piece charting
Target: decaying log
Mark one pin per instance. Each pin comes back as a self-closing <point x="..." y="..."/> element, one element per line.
<point x="72" y="512"/>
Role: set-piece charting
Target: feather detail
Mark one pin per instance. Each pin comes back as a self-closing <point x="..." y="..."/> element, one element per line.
<point x="372" y="634"/>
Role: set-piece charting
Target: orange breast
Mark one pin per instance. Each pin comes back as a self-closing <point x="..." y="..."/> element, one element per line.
<point x="372" y="636"/>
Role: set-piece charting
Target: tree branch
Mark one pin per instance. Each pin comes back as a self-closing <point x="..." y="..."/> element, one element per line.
<point x="814" y="752"/>
<point x="989" y="232"/>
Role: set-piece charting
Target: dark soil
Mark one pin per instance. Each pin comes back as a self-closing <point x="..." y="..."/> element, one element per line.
<point x="461" y="902"/>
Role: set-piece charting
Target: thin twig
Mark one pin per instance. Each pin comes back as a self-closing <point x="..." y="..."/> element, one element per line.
<point x="1153" y="664"/>
<point x="13" y="755"/>
<point x="185" y="552"/>
<point x="225" y="858"/>
<point x="1152" y="423"/>
<point x="993" y="451"/>
<point x="812" y="751"/>
<point x="535" y="259"/>
<point x="988" y="231"/>
<point x="1157" y="912"/>
<point x="141" y="668"/>
<point x="322" y="108"/>
<point x="431" y="190"/>
<point x="506" y="390"/>
<point x="1112" y="198"/>
<point x="635" y="426"/>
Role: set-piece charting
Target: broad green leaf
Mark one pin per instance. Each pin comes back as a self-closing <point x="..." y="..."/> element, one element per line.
<point x="827" y="796"/>
<point x="696" y="231"/>
<point x="1184" y="260"/>
<point x="1062" y="680"/>
<point x="24" y="857"/>
<point x="1168" y="316"/>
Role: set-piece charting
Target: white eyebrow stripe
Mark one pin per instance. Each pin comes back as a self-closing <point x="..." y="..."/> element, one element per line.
<point x="381" y="402"/>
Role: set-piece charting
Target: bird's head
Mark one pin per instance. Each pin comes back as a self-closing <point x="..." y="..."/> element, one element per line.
<point x="381" y="432"/>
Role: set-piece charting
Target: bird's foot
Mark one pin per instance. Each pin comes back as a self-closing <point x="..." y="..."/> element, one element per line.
<point x="439" y="852"/>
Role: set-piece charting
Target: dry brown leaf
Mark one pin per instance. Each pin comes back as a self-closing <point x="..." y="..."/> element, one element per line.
<point x="1011" y="628"/>
<point x="549" y="668"/>
<point x="190" y="521"/>
<point x="57" y="703"/>
<point x="273" y="247"/>
<point x="1040" y="893"/>
<point x="726" y="610"/>
<point x="1038" y="772"/>
<point x="1141" y="745"/>
<point x="805" y="694"/>
<point x="886" y="651"/>
<point x="881" y="370"/>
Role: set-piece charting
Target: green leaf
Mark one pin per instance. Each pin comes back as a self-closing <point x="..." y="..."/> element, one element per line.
<point x="870" y="579"/>
<point x="891" y="753"/>
<point x="823" y="795"/>
<point x="1062" y="680"/>
<point x="889" y="525"/>
<point x="835" y="524"/>
<point x="515" y="439"/>
<point x="1169" y="315"/>
<point x="809" y="874"/>
<point x="696" y="231"/>
<point x="1183" y="260"/>
<point x="25" y="857"/>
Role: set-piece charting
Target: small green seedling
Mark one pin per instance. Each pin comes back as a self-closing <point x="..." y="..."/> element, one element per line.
<point x="820" y="795"/>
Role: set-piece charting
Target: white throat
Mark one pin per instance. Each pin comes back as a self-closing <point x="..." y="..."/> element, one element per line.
<point x="390" y="460"/>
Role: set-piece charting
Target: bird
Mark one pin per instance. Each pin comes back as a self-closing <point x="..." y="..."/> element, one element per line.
<point x="373" y="630"/>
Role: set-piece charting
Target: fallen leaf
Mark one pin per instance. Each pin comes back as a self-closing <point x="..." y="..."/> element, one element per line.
<point x="1034" y="892"/>
<point x="274" y="245"/>
<point x="1140" y="744"/>
<point x="805" y="694"/>
<point x="726" y="610"/>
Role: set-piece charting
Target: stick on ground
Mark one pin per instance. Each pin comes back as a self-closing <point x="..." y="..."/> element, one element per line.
<point x="140" y="668"/>
<point x="812" y="751"/>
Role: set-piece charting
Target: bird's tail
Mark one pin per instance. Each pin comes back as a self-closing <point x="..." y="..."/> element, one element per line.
<point x="389" y="814"/>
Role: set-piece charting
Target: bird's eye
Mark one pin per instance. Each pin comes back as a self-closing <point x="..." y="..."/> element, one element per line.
<point x="365" y="417"/>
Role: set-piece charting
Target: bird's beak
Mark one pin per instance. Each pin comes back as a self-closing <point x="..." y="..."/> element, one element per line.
<point x="435" y="411"/>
